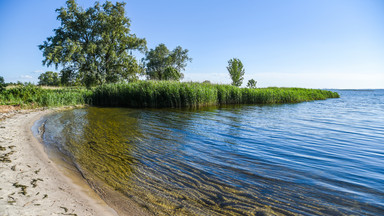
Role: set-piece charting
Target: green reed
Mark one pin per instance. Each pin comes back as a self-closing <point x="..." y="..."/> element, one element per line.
<point x="157" y="94"/>
<point x="31" y="96"/>
<point x="190" y="94"/>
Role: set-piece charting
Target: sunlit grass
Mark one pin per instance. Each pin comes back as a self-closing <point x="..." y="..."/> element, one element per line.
<point x="157" y="94"/>
<point x="32" y="96"/>
<point x="190" y="94"/>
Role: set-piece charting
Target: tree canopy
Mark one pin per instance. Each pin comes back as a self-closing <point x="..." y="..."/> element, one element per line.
<point x="163" y="64"/>
<point x="2" y="83"/>
<point x="49" y="78"/>
<point x="236" y="71"/>
<point x="94" y="45"/>
<point x="251" y="83"/>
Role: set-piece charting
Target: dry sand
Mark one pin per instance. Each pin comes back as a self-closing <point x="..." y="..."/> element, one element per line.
<point x="30" y="183"/>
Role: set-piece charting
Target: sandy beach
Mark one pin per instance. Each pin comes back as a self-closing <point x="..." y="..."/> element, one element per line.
<point x="30" y="183"/>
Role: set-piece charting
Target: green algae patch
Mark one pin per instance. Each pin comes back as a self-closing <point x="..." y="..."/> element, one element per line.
<point x="104" y="146"/>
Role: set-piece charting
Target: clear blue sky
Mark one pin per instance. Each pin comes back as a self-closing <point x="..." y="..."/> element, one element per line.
<point x="303" y="43"/>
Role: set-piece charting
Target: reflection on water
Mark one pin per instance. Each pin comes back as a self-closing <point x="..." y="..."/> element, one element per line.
<point x="322" y="157"/>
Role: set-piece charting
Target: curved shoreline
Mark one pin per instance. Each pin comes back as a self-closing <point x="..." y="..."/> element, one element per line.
<point x="31" y="184"/>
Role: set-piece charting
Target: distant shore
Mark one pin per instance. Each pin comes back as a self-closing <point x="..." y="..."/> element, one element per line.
<point x="30" y="183"/>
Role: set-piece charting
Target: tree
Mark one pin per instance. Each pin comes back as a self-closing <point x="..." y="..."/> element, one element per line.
<point x="162" y="64"/>
<point x="49" y="78"/>
<point x="207" y="82"/>
<point x="94" y="44"/>
<point x="67" y="77"/>
<point x="236" y="71"/>
<point x="171" y="73"/>
<point x="2" y="83"/>
<point x="251" y="83"/>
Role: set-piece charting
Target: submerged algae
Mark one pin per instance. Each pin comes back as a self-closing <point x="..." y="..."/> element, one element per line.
<point x="103" y="145"/>
<point x="140" y="159"/>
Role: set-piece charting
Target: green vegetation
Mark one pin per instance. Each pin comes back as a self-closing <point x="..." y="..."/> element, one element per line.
<point x="236" y="71"/>
<point x="155" y="94"/>
<point x="251" y="83"/>
<point x="49" y="78"/>
<point x="158" y="94"/>
<point x="162" y="64"/>
<point x="2" y="84"/>
<point x="31" y="96"/>
<point x="93" y="45"/>
<point x="176" y="94"/>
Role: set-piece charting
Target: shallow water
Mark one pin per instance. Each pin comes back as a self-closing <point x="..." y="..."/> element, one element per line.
<point x="322" y="157"/>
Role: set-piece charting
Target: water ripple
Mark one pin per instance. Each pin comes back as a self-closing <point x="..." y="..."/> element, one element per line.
<point x="315" y="158"/>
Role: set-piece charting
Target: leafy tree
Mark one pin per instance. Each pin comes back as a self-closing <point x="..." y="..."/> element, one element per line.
<point x="49" y="78"/>
<point x="68" y="77"/>
<point x="19" y="83"/>
<point x="236" y="71"/>
<point x="2" y="83"/>
<point x="207" y="82"/>
<point x="162" y="64"/>
<point x="94" y="44"/>
<point x="251" y="83"/>
<point x="171" y="73"/>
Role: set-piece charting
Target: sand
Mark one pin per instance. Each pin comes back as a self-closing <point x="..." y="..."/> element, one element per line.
<point x="30" y="183"/>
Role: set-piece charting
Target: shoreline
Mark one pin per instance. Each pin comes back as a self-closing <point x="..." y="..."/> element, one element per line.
<point x="31" y="183"/>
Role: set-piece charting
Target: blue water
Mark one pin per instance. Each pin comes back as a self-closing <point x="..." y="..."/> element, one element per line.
<point x="313" y="158"/>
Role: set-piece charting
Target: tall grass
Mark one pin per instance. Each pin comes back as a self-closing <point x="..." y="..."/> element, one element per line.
<point x="157" y="94"/>
<point x="176" y="94"/>
<point x="31" y="96"/>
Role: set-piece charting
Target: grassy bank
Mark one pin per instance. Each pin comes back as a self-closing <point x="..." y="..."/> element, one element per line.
<point x="32" y="96"/>
<point x="176" y="94"/>
<point x="158" y="94"/>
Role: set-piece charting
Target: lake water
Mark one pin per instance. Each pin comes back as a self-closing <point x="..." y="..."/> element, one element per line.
<point x="313" y="158"/>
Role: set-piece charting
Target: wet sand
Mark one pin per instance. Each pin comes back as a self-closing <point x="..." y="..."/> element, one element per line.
<point x="32" y="184"/>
